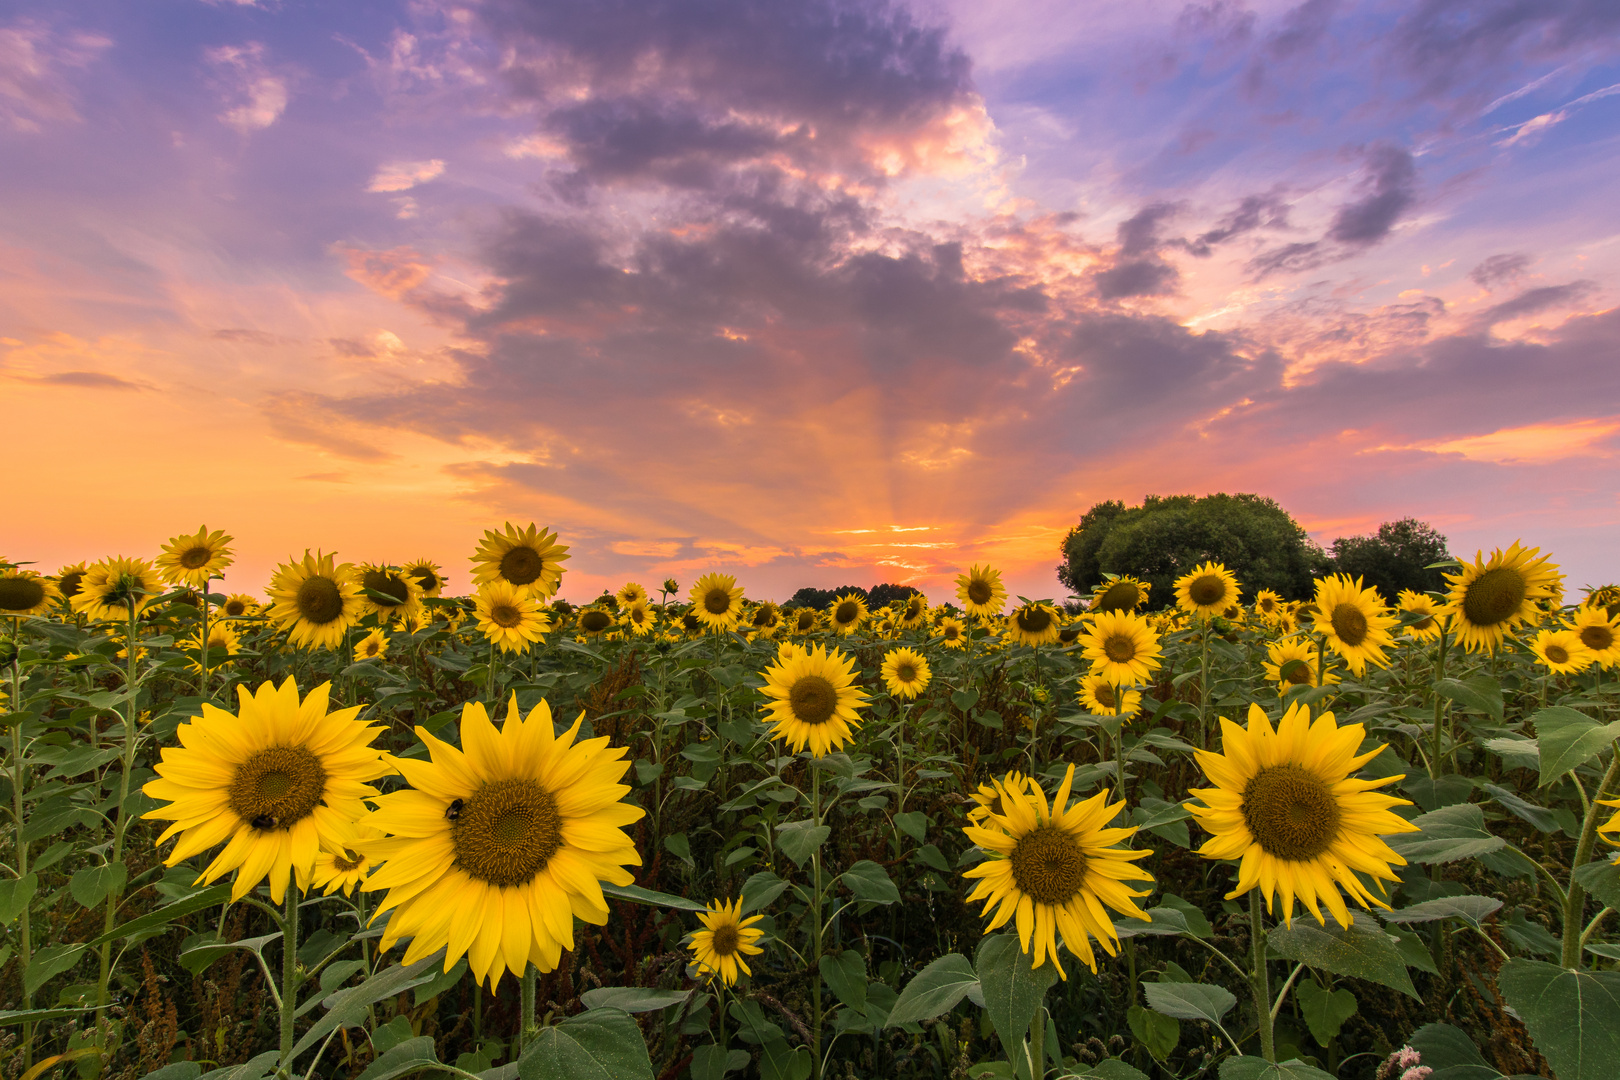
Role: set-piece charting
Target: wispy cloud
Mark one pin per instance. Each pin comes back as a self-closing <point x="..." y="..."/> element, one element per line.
<point x="404" y="175"/>
<point x="254" y="96"/>
<point x="35" y="60"/>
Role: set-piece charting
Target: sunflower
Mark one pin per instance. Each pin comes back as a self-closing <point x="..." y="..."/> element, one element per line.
<point x="1604" y="596"/>
<point x="1353" y="621"/>
<point x="987" y="800"/>
<point x="68" y="580"/>
<point x="110" y="586"/>
<point x="765" y="619"/>
<point x="726" y="937"/>
<point x="1561" y="651"/>
<point x="1489" y="597"/>
<point x="314" y="600"/>
<point x="404" y="594"/>
<point x="1103" y="698"/>
<point x="496" y="847"/>
<point x="630" y="593"/>
<point x="194" y="560"/>
<point x="803" y="620"/>
<point x="1599" y="632"/>
<point x="905" y="673"/>
<point x="1416" y="603"/>
<point x="239" y="606"/>
<point x="814" y="699"/>
<point x="220" y="636"/>
<point x="1268" y="605"/>
<point x="1034" y="623"/>
<point x="1055" y="867"/>
<point x="1122" y="647"/>
<point x="981" y="592"/>
<point x="1293" y="662"/>
<point x="277" y="780"/>
<point x="374" y="646"/>
<point x="510" y="616"/>
<point x="23" y="592"/>
<point x="952" y="632"/>
<point x="914" y="612"/>
<point x="341" y="867"/>
<point x="847" y="613"/>
<point x="1207" y="590"/>
<point x="717" y="602"/>
<point x="427" y="574"/>
<point x="528" y="558"/>
<point x="1070" y="632"/>
<point x="1286" y="803"/>
<point x="594" y="621"/>
<point x="1119" y="594"/>
<point x="638" y="616"/>
<point x="1611" y="828"/>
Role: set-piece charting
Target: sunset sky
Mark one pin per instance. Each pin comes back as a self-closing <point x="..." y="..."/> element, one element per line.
<point x="808" y="292"/>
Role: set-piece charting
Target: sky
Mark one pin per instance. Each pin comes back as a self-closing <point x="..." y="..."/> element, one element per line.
<point x="808" y="292"/>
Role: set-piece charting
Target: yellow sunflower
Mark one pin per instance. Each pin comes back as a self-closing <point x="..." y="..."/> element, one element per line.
<point x="814" y="699"/>
<point x="1070" y="632"/>
<point x="496" y="847"/>
<point x="404" y="594"/>
<point x="1599" y="632"/>
<point x="194" y="560"/>
<point x="765" y="619"/>
<point x="1268" y="605"/>
<point x="528" y="558"/>
<point x="111" y="585"/>
<point x="595" y="621"/>
<point x="220" y="638"/>
<point x="1604" y="596"/>
<point x="1119" y="594"/>
<point x="374" y="646"/>
<point x="847" y="613"/>
<point x="717" y="602"/>
<point x="1207" y="590"/>
<point x="906" y="673"/>
<point x="1054" y="867"/>
<point x="427" y="574"/>
<point x="1561" y="651"/>
<point x="1102" y="698"/>
<point x="239" y="606"/>
<point x="1287" y="805"/>
<point x="23" y="592"/>
<point x="914" y="612"/>
<point x="510" y="616"/>
<point x="68" y="580"/>
<point x="1293" y="662"/>
<point x="1353" y="621"/>
<point x="981" y="591"/>
<point x="629" y="593"/>
<point x="1416" y="603"/>
<point x="639" y="617"/>
<point x="726" y="937"/>
<point x="803" y="620"/>
<point x="1490" y="597"/>
<point x="952" y="632"/>
<point x="277" y="780"/>
<point x="341" y="868"/>
<point x="987" y="800"/>
<point x="1034" y="623"/>
<point x="1122" y="647"/>
<point x="315" y="600"/>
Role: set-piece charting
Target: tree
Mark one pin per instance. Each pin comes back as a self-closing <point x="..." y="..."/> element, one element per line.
<point x="1167" y="536"/>
<point x="1394" y="558"/>
<point x="886" y="594"/>
<point x="820" y="599"/>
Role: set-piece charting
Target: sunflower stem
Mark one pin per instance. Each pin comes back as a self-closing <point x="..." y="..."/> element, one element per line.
<point x="1435" y="763"/>
<point x="289" y="975"/>
<point x="18" y="779"/>
<point x="815" y="972"/>
<point x="132" y="690"/>
<point x="202" y="683"/>
<point x="900" y="761"/>
<point x="1203" y="685"/>
<point x="1575" y="898"/>
<point x="1037" y="1045"/>
<point x="1259" y="979"/>
<point x="528" y="1026"/>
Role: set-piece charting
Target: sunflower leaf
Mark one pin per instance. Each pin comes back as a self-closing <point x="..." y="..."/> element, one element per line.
<point x="1569" y="739"/>
<point x="1253" y="1068"/>
<point x="1012" y="989"/>
<point x="1573" y="1016"/>
<point x="1472" y="910"/>
<point x="600" y="1044"/>
<point x="1364" y="951"/>
<point x="1446" y="835"/>
<point x="1480" y="693"/>
<point x="799" y="839"/>
<point x="870" y="882"/>
<point x="636" y="894"/>
<point x="1189" y="1001"/>
<point x="934" y="991"/>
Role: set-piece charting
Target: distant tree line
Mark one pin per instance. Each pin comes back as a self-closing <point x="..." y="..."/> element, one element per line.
<point x="822" y="599"/>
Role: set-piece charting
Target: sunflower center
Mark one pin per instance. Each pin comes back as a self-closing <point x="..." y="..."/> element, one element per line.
<point x="319" y="600"/>
<point x="1120" y="648"/>
<point x="594" y="622"/>
<point x="505" y="615"/>
<point x="390" y="585"/>
<point x="1291" y="812"/>
<point x="1297" y="671"/>
<point x="234" y="607"/>
<point x="1048" y="865"/>
<point x="506" y="832"/>
<point x="1034" y="620"/>
<point x="372" y="648"/>
<point x="1104" y="693"/>
<point x="1069" y="635"/>
<point x="1350" y="623"/>
<point x="20" y="593"/>
<point x="1119" y="596"/>
<point x="905" y="673"/>
<point x="426" y="578"/>
<point x="979" y="591"/>
<point x="1267" y="604"/>
<point x="1597" y="637"/>
<point x="846" y="612"/>
<point x="69" y="583"/>
<point x="717" y="601"/>
<point x="1424" y="623"/>
<point x="726" y="940"/>
<point x="348" y="860"/>
<point x="277" y="787"/>
<point x="805" y="621"/>
<point x="1557" y="654"/>
<point x="951" y="632"/>
<point x="813" y="700"/>
<point x="1207" y="590"/>
<point x="1494" y="596"/>
<point x="913" y="609"/>
<point x="522" y="565"/>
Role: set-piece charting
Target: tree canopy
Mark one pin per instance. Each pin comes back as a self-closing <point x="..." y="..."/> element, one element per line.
<point x="1394" y="557"/>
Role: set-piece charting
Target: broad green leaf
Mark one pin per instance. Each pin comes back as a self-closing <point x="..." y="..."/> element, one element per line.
<point x="914" y="823"/>
<point x="1157" y="1032"/>
<point x="678" y="845"/>
<point x="800" y="839"/>
<point x="636" y="894"/>
<point x="13" y="1017"/>
<point x="1516" y="753"/>
<point x="711" y="1062"/>
<point x="255" y="1068"/>
<point x="870" y="882"/>
<point x="1197" y="925"/>
<point x="1446" y="835"/>
<point x="760" y="889"/>
<point x="1253" y="1068"/>
<point x="1113" y="1069"/>
<point x="1601" y="878"/>
<point x="1189" y="1001"/>
<point x="1473" y="910"/>
<point x="349" y="1007"/>
<point x="846" y="974"/>
<point x="934" y="991"/>
<point x="965" y="699"/>
<point x="412" y="1055"/>
<point x="15" y="896"/>
<point x="1541" y="818"/>
<point x="1444" y="1047"/>
<point x="1012" y="989"/>
<point x="200" y="956"/>
<point x="442" y="980"/>
<point x="178" y="1070"/>
<point x="1161" y="922"/>
<point x="1325" y="1010"/>
<point x="632" y="999"/>
<point x="1573" y="1016"/>
<point x="1362" y="952"/>
<point x="1569" y="738"/>
<point x="600" y="1044"/>
<point x="778" y="1061"/>
<point x="1481" y="693"/>
<point x="93" y="884"/>
<point x="213" y="896"/>
<point x="48" y="962"/>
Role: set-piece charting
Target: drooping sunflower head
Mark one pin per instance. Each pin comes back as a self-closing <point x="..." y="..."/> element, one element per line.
<point x="511" y="616"/>
<point x="1488" y="598"/>
<point x="1561" y="651"/>
<point x="1606" y="597"/>
<point x="1207" y="590"/>
<point x="1034" y="623"/>
<point x="847" y="613"/>
<point x="1287" y="805"/>
<point x="388" y="592"/>
<point x="428" y="575"/>
<point x="111" y="586"/>
<point x="1353" y="621"/>
<point x="717" y="601"/>
<point x="274" y="783"/>
<point x="68" y="580"/>
<point x="374" y="646"/>
<point x="952" y="632"/>
<point x="1070" y="631"/>
<point x="1056" y="867"/>
<point x="718" y="949"/>
<point x="23" y="592"/>
<point x="1102" y="698"/>
<point x="528" y="558"/>
<point x="341" y="868"/>
<point x="1599" y="633"/>
<point x="1122" y="647"/>
<point x="315" y="599"/>
<point x="814" y="700"/>
<point x="906" y="673"/>
<point x="193" y="560"/>
<point x="1294" y="661"/>
<point x="1119" y="594"/>
<point x="914" y="611"/>
<point x="981" y="591"/>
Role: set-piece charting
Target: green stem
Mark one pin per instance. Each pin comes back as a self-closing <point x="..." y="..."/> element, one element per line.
<point x="1435" y="763"/>
<point x="815" y="971"/>
<point x="1259" y="979"/>
<point x="19" y="777"/>
<point x="202" y="684"/>
<point x="1203" y="684"/>
<point x="528" y="1026"/>
<point x="900" y="757"/>
<point x="1575" y="901"/>
<point x="1037" y="1045"/>
<point x="289" y="975"/>
<point x="132" y="690"/>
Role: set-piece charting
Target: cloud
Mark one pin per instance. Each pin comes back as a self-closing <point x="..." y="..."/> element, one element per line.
<point x="1137" y="269"/>
<point x="88" y="380"/>
<point x="404" y="175"/>
<point x="1534" y="442"/>
<point x="1390" y="189"/>
<point x="255" y="97"/>
<point x="34" y="89"/>
<point x="1534" y="301"/>
<point x="1504" y="269"/>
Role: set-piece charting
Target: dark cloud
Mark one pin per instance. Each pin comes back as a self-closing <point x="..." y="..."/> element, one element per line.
<point x="1138" y="270"/>
<point x="1301" y="29"/>
<point x="1268" y="211"/>
<point x="1390" y="189"/>
<point x="310" y="420"/>
<point x="1222" y="23"/>
<point x="89" y="380"/>
<point x="1470" y="47"/>
<point x="1504" y="269"/>
<point x="1533" y="300"/>
<point x="243" y="336"/>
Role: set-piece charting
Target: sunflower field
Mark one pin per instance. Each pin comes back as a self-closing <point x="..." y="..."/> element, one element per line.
<point x="360" y="826"/>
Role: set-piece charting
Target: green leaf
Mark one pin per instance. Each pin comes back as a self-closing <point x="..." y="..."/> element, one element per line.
<point x="1445" y="1047"/>
<point x="778" y="1061"/>
<point x="1161" y="922"/>
<point x="1362" y="952"/>
<point x="1516" y="753"/>
<point x="760" y="889"/>
<point x="15" y="896"/>
<point x="213" y="896"/>
<point x="636" y="894"/>
<point x="1472" y="910"/>
<point x="1447" y="834"/>
<point x="1012" y="989"/>
<point x="601" y="1044"/>
<point x="1253" y="1068"/>
<point x="632" y="999"/>
<point x="679" y="846"/>
<point x="935" y="991"/>
<point x="1325" y="1010"/>
<point x="800" y="839"/>
<point x="441" y="981"/>
<point x="13" y="1017"/>
<point x="913" y="823"/>
<point x="94" y="884"/>
<point x="870" y="882"/>
<point x="1197" y="925"/>
<point x="1601" y="878"/>
<point x="255" y="1068"/>
<point x="178" y="1070"/>
<point x="1573" y="1016"/>
<point x="412" y="1055"/>
<point x="1189" y="1001"/>
<point x="1114" y="1069"/>
<point x="711" y="1062"/>
<point x="1541" y="818"/>
<point x="47" y="962"/>
<point x="1157" y="1032"/>
<point x="1481" y="693"/>
<point x="846" y="974"/>
<point x="965" y="699"/>
<point x="1568" y="739"/>
<point x="349" y="1007"/>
